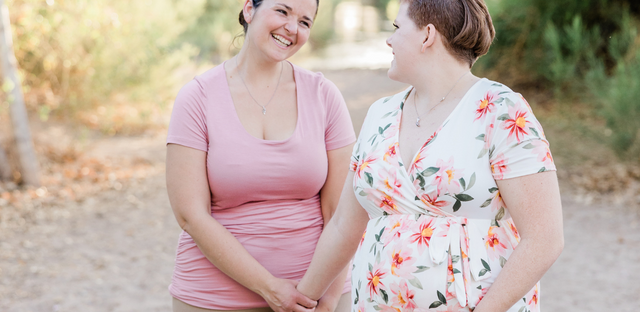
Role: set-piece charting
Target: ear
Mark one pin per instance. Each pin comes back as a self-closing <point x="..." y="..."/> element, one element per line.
<point x="430" y="34"/>
<point x="248" y="11"/>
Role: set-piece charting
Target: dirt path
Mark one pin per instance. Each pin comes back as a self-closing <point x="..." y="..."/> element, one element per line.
<point x="115" y="251"/>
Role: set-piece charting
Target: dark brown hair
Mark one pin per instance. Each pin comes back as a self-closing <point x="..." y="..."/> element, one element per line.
<point x="256" y="4"/>
<point x="465" y="24"/>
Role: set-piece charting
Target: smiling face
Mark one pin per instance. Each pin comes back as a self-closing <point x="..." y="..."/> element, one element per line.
<point x="279" y="28"/>
<point x="406" y="43"/>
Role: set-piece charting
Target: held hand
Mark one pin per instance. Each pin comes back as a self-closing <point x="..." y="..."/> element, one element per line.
<point x="282" y="296"/>
<point x="326" y="304"/>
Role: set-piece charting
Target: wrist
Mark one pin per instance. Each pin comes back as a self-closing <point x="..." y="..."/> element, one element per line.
<point x="264" y="286"/>
<point x="328" y="302"/>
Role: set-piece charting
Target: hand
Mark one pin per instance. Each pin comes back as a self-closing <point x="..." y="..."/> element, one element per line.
<point x="327" y="304"/>
<point x="282" y="296"/>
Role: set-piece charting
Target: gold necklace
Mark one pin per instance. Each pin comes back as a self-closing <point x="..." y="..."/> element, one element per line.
<point x="415" y="102"/>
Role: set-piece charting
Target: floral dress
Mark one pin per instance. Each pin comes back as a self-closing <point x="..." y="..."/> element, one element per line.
<point x="439" y="232"/>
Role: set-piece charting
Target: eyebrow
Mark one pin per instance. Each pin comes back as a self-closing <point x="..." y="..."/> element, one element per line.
<point x="291" y="9"/>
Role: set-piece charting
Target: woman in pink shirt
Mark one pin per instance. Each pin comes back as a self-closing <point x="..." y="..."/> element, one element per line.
<point x="258" y="151"/>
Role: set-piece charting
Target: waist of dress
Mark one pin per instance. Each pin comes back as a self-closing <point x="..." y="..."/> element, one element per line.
<point x="456" y="240"/>
<point x="270" y="217"/>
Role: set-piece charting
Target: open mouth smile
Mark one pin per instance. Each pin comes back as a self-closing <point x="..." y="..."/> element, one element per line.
<point x="281" y="40"/>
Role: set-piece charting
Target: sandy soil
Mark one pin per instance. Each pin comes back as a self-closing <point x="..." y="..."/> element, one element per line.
<point x="114" y="251"/>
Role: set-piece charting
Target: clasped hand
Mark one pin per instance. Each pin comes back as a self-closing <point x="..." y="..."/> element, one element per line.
<point x="282" y="296"/>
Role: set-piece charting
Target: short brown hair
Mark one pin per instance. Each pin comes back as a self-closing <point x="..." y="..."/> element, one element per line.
<point x="465" y="24"/>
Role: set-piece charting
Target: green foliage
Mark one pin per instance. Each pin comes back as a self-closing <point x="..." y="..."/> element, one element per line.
<point x="75" y="55"/>
<point x="586" y="51"/>
<point x="322" y="31"/>
<point x="213" y="27"/>
<point x="617" y="95"/>
<point x="553" y="42"/>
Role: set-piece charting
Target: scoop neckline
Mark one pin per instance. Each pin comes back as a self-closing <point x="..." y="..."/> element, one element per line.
<point x="237" y="118"/>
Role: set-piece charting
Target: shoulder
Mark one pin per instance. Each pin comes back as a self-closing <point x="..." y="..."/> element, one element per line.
<point x="388" y="103"/>
<point x="314" y="79"/>
<point x="499" y="99"/>
<point x="383" y="111"/>
<point x="211" y="78"/>
<point x="499" y="92"/>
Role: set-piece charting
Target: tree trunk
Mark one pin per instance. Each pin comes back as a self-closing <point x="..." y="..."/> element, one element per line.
<point x="5" y="168"/>
<point x="19" y="120"/>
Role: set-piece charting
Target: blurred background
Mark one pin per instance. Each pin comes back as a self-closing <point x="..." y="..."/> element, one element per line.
<point x="96" y="232"/>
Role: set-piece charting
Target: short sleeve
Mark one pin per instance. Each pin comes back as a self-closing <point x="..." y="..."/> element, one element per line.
<point x="518" y="144"/>
<point x="188" y="126"/>
<point x="339" y="129"/>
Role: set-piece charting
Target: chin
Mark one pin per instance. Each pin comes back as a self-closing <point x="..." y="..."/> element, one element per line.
<point x="280" y="56"/>
<point x="392" y="73"/>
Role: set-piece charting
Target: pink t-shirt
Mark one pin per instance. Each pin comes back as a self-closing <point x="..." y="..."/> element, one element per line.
<point x="266" y="193"/>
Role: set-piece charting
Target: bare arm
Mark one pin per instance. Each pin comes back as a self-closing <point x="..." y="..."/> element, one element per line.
<point x="329" y="198"/>
<point x="337" y="244"/>
<point x="190" y="199"/>
<point x="534" y="204"/>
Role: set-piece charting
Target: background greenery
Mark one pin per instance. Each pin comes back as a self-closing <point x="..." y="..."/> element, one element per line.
<point x="585" y="51"/>
<point x="114" y="65"/>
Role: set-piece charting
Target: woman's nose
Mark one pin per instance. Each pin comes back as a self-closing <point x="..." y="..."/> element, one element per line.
<point x="291" y="27"/>
<point x="388" y="41"/>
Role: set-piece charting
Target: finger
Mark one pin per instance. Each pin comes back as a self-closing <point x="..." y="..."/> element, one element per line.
<point x="299" y="308"/>
<point x="305" y="301"/>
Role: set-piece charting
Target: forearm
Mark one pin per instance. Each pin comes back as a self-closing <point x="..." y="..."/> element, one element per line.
<point x="224" y="251"/>
<point x="334" y="250"/>
<point x="330" y="299"/>
<point x="525" y="267"/>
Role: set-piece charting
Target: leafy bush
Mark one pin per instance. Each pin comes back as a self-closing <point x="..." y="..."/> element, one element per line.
<point x="617" y="95"/>
<point x="586" y="51"/>
<point x="213" y="27"/>
<point x="77" y="55"/>
<point x="553" y="42"/>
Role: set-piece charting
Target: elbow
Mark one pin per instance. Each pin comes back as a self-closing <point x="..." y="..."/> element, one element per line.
<point x="547" y="248"/>
<point x="182" y="222"/>
<point x="186" y="223"/>
<point x="558" y="247"/>
<point x="552" y="247"/>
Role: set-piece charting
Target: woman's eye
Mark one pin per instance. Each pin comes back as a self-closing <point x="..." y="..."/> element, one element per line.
<point x="305" y="24"/>
<point x="395" y="26"/>
<point x="282" y="11"/>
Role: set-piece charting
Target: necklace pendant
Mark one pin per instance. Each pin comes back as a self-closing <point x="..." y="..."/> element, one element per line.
<point x="418" y="122"/>
<point x="264" y="110"/>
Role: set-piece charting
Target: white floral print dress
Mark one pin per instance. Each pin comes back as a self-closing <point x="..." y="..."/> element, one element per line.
<point x="439" y="232"/>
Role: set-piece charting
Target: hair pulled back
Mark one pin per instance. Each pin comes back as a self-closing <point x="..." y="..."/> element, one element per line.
<point x="465" y="24"/>
<point x="256" y="4"/>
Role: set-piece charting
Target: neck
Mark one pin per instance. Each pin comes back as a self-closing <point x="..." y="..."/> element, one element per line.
<point x="440" y="78"/>
<point x="254" y="66"/>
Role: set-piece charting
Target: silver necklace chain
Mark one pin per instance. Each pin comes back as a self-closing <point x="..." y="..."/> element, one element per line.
<point x="415" y="103"/>
<point x="264" y="107"/>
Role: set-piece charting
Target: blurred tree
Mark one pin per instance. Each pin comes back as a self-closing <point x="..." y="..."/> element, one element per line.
<point x="105" y="63"/>
<point x="586" y="51"/>
<point x="19" y="120"/>
<point x="5" y="168"/>
<point x="532" y="36"/>
<point x="213" y="29"/>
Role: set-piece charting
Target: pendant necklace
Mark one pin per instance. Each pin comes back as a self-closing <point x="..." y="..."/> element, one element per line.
<point x="415" y="103"/>
<point x="264" y="107"/>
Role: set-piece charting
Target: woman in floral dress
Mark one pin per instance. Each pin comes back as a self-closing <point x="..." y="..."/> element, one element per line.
<point x="461" y="203"/>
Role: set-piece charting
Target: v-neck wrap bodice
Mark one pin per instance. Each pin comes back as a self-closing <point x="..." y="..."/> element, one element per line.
<point x="439" y="232"/>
